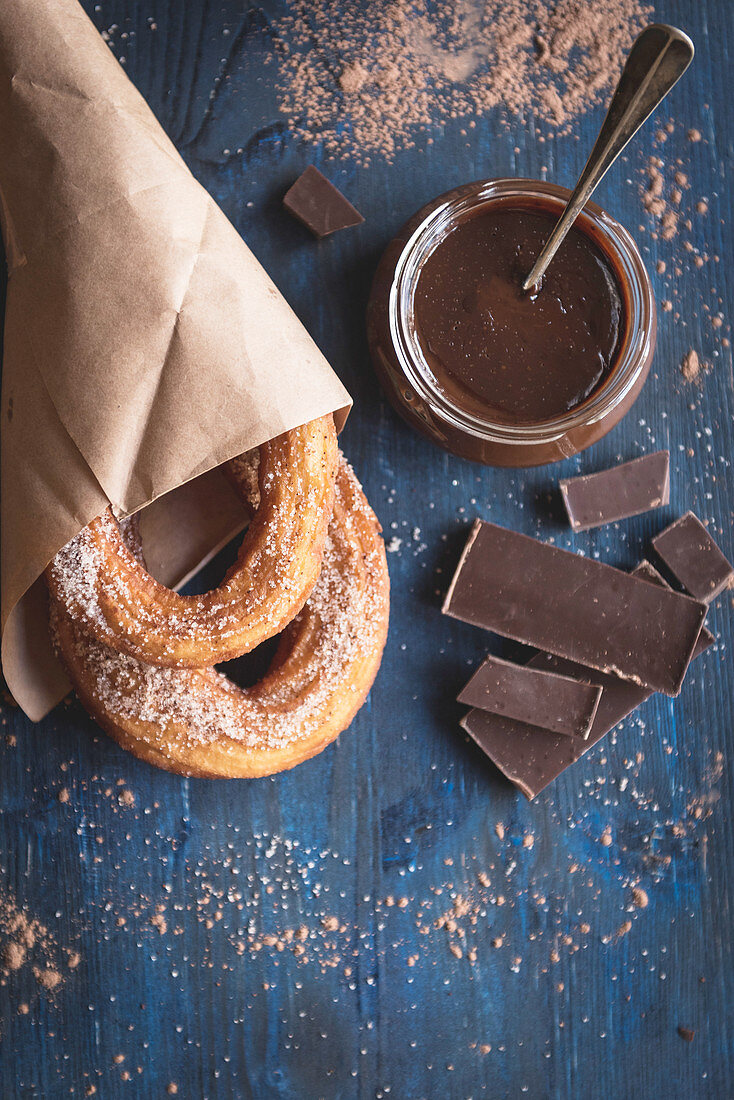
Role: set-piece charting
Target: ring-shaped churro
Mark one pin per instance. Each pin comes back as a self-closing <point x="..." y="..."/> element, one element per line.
<point x="108" y="591"/>
<point x="198" y="722"/>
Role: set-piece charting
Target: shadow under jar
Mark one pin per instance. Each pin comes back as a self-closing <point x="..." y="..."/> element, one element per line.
<point x="488" y="372"/>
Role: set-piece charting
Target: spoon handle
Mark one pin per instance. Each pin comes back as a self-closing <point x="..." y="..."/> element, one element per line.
<point x="658" y="58"/>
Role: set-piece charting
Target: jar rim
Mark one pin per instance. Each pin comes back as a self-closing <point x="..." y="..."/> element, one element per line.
<point x="435" y="221"/>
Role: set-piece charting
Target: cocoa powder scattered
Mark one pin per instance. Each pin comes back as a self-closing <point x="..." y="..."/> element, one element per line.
<point x="48" y="977"/>
<point x="27" y="943"/>
<point x="691" y="366"/>
<point x="366" y="81"/>
<point x="14" y="955"/>
<point x="663" y="207"/>
<point x="158" y="920"/>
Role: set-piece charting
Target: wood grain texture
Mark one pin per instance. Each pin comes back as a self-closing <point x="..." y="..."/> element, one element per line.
<point x="404" y="805"/>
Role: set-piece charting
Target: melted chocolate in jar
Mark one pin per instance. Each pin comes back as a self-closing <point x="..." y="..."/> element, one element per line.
<point x="522" y="356"/>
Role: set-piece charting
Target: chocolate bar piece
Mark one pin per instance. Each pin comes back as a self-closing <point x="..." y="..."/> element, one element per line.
<point x="532" y="758"/>
<point x="645" y="571"/>
<point x="527" y="694"/>
<point x="615" y="494"/>
<point x="693" y="557"/>
<point x="319" y="205"/>
<point x="574" y="607"/>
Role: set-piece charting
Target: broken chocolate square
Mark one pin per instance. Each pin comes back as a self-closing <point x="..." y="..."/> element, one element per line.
<point x="528" y="694"/>
<point x="693" y="557"/>
<point x="618" y="493"/>
<point x="319" y="205"/>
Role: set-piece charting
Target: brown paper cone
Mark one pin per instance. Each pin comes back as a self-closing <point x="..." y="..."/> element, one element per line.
<point x="144" y="344"/>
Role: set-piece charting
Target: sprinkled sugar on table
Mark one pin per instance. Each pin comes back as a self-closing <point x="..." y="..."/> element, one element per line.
<point x="392" y="918"/>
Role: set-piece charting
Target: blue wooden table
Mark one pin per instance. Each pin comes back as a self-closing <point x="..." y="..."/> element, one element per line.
<point x="392" y="918"/>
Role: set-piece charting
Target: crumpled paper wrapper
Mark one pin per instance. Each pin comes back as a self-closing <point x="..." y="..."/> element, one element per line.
<point x="144" y="344"/>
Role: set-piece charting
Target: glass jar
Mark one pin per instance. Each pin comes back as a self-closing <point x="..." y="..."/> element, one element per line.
<point x="410" y="384"/>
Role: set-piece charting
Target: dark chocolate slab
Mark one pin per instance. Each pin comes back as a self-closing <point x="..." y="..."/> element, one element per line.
<point x="532" y="758"/>
<point x="319" y="205"/>
<point x="693" y="557"/>
<point x="560" y="704"/>
<point x="611" y="495"/>
<point x="574" y="607"/>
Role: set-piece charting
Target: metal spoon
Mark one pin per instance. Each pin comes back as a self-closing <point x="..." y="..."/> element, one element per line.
<point x="658" y="58"/>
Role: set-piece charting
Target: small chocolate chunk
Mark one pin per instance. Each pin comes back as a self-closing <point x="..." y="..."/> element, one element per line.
<point x="556" y="703"/>
<point x="693" y="557"/>
<point x="319" y="205"/>
<point x="611" y="495"/>
<point x="574" y="607"/>
<point x="646" y="571"/>
<point x="686" y="1033"/>
<point x="532" y="758"/>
